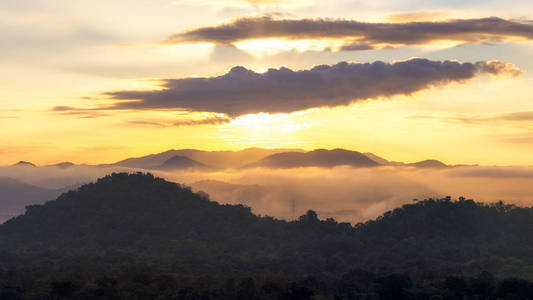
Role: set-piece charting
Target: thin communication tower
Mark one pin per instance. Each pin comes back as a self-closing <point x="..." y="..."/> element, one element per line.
<point x="293" y="209"/>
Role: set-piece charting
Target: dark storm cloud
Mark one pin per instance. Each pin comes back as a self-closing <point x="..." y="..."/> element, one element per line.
<point x="242" y="91"/>
<point x="411" y="33"/>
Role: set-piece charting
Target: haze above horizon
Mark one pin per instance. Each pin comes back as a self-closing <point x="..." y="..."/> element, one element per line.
<point x="93" y="82"/>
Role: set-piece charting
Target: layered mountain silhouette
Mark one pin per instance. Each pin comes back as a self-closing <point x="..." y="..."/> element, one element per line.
<point x="380" y="160"/>
<point x="180" y="162"/>
<point x="253" y="157"/>
<point x="137" y="218"/>
<point x="429" y="163"/>
<point x="316" y="158"/>
<point x="63" y="165"/>
<point x="15" y="195"/>
<point x="270" y="158"/>
<point x="214" y="159"/>
<point x="23" y="163"/>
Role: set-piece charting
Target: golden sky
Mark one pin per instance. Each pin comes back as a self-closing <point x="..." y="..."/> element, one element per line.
<point x="67" y="67"/>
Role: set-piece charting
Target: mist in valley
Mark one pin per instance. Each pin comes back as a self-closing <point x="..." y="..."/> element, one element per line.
<point x="345" y="193"/>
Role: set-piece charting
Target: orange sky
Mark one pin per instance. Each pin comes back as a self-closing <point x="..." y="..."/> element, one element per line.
<point x="69" y="54"/>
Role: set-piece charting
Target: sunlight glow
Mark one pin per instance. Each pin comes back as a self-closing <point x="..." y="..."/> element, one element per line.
<point x="268" y="47"/>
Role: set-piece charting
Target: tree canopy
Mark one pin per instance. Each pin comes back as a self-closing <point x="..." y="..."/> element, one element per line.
<point x="126" y="220"/>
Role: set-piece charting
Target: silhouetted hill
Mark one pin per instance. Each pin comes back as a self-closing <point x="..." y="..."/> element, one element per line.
<point x="136" y="218"/>
<point x="429" y="163"/>
<point x="254" y="157"/>
<point x="180" y="162"/>
<point x="62" y="165"/>
<point x="316" y="158"/>
<point x="23" y="163"/>
<point x="15" y="195"/>
<point x="123" y="214"/>
<point x="231" y="159"/>
<point x="215" y="159"/>
<point x="378" y="159"/>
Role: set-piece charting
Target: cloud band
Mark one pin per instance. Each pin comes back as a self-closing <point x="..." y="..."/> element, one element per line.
<point x="410" y="33"/>
<point x="242" y="91"/>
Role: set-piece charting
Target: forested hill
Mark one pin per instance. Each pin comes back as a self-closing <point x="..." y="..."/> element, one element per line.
<point x="139" y="218"/>
<point x="134" y="236"/>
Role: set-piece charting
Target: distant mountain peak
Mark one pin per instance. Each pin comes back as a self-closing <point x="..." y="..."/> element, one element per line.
<point x="264" y="157"/>
<point x="428" y="163"/>
<point x="180" y="162"/>
<point x="213" y="159"/>
<point x="63" y="165"/>
<point x="316" y="158"/>
<point x="25" y="163"/>
<point x="380" y="160"/>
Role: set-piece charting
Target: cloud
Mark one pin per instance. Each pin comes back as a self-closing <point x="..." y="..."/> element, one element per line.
<point x="206" y="121"/>
<point x="225" y="2"/>
<point x="410" y="33"/>
<point x="82" y="113"/>
<point x="494" y="172"/>
<point x="357" y="47"/>
<point x="146" y="123"/>
<point x="511" y="118"/>
<point x="65" y="108"/>
<point x="264" y="1"/>
<point x="351" y="194"/>
<point x="418" y="16"/>
<point x="37" y="38"/>
<point x="242" y="91"/>
<point x="525" y="139"/>
<point x="517" y="116"/>
<point x="184" y="122"/>
<point x="498" y="67"/>
<point x="348" y="194"/>
<point x="249" y="6"/>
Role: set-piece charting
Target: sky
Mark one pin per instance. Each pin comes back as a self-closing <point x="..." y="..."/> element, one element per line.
<point x="98" y="81"/>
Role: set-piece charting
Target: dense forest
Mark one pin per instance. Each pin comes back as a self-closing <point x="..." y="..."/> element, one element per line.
<point x="135" y="236"/>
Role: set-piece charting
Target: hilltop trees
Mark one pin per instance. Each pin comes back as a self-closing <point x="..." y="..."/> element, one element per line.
<point x="141" y="233"/>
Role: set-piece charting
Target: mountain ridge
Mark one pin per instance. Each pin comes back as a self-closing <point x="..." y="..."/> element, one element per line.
<point x="24" y="163"/>
<point x="16" y="194"/>
<point x="316" y="158"/>
<point x="138" y="217"/>
<point x="227" y="159"/>
<point x="178" y="162"/>
<point x="215" y="159"/>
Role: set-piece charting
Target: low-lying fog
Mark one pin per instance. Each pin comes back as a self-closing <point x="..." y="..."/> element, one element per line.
<point x="344" y="193"/>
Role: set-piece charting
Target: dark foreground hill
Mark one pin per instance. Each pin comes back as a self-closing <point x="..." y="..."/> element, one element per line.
<point x="144" y="234"/>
